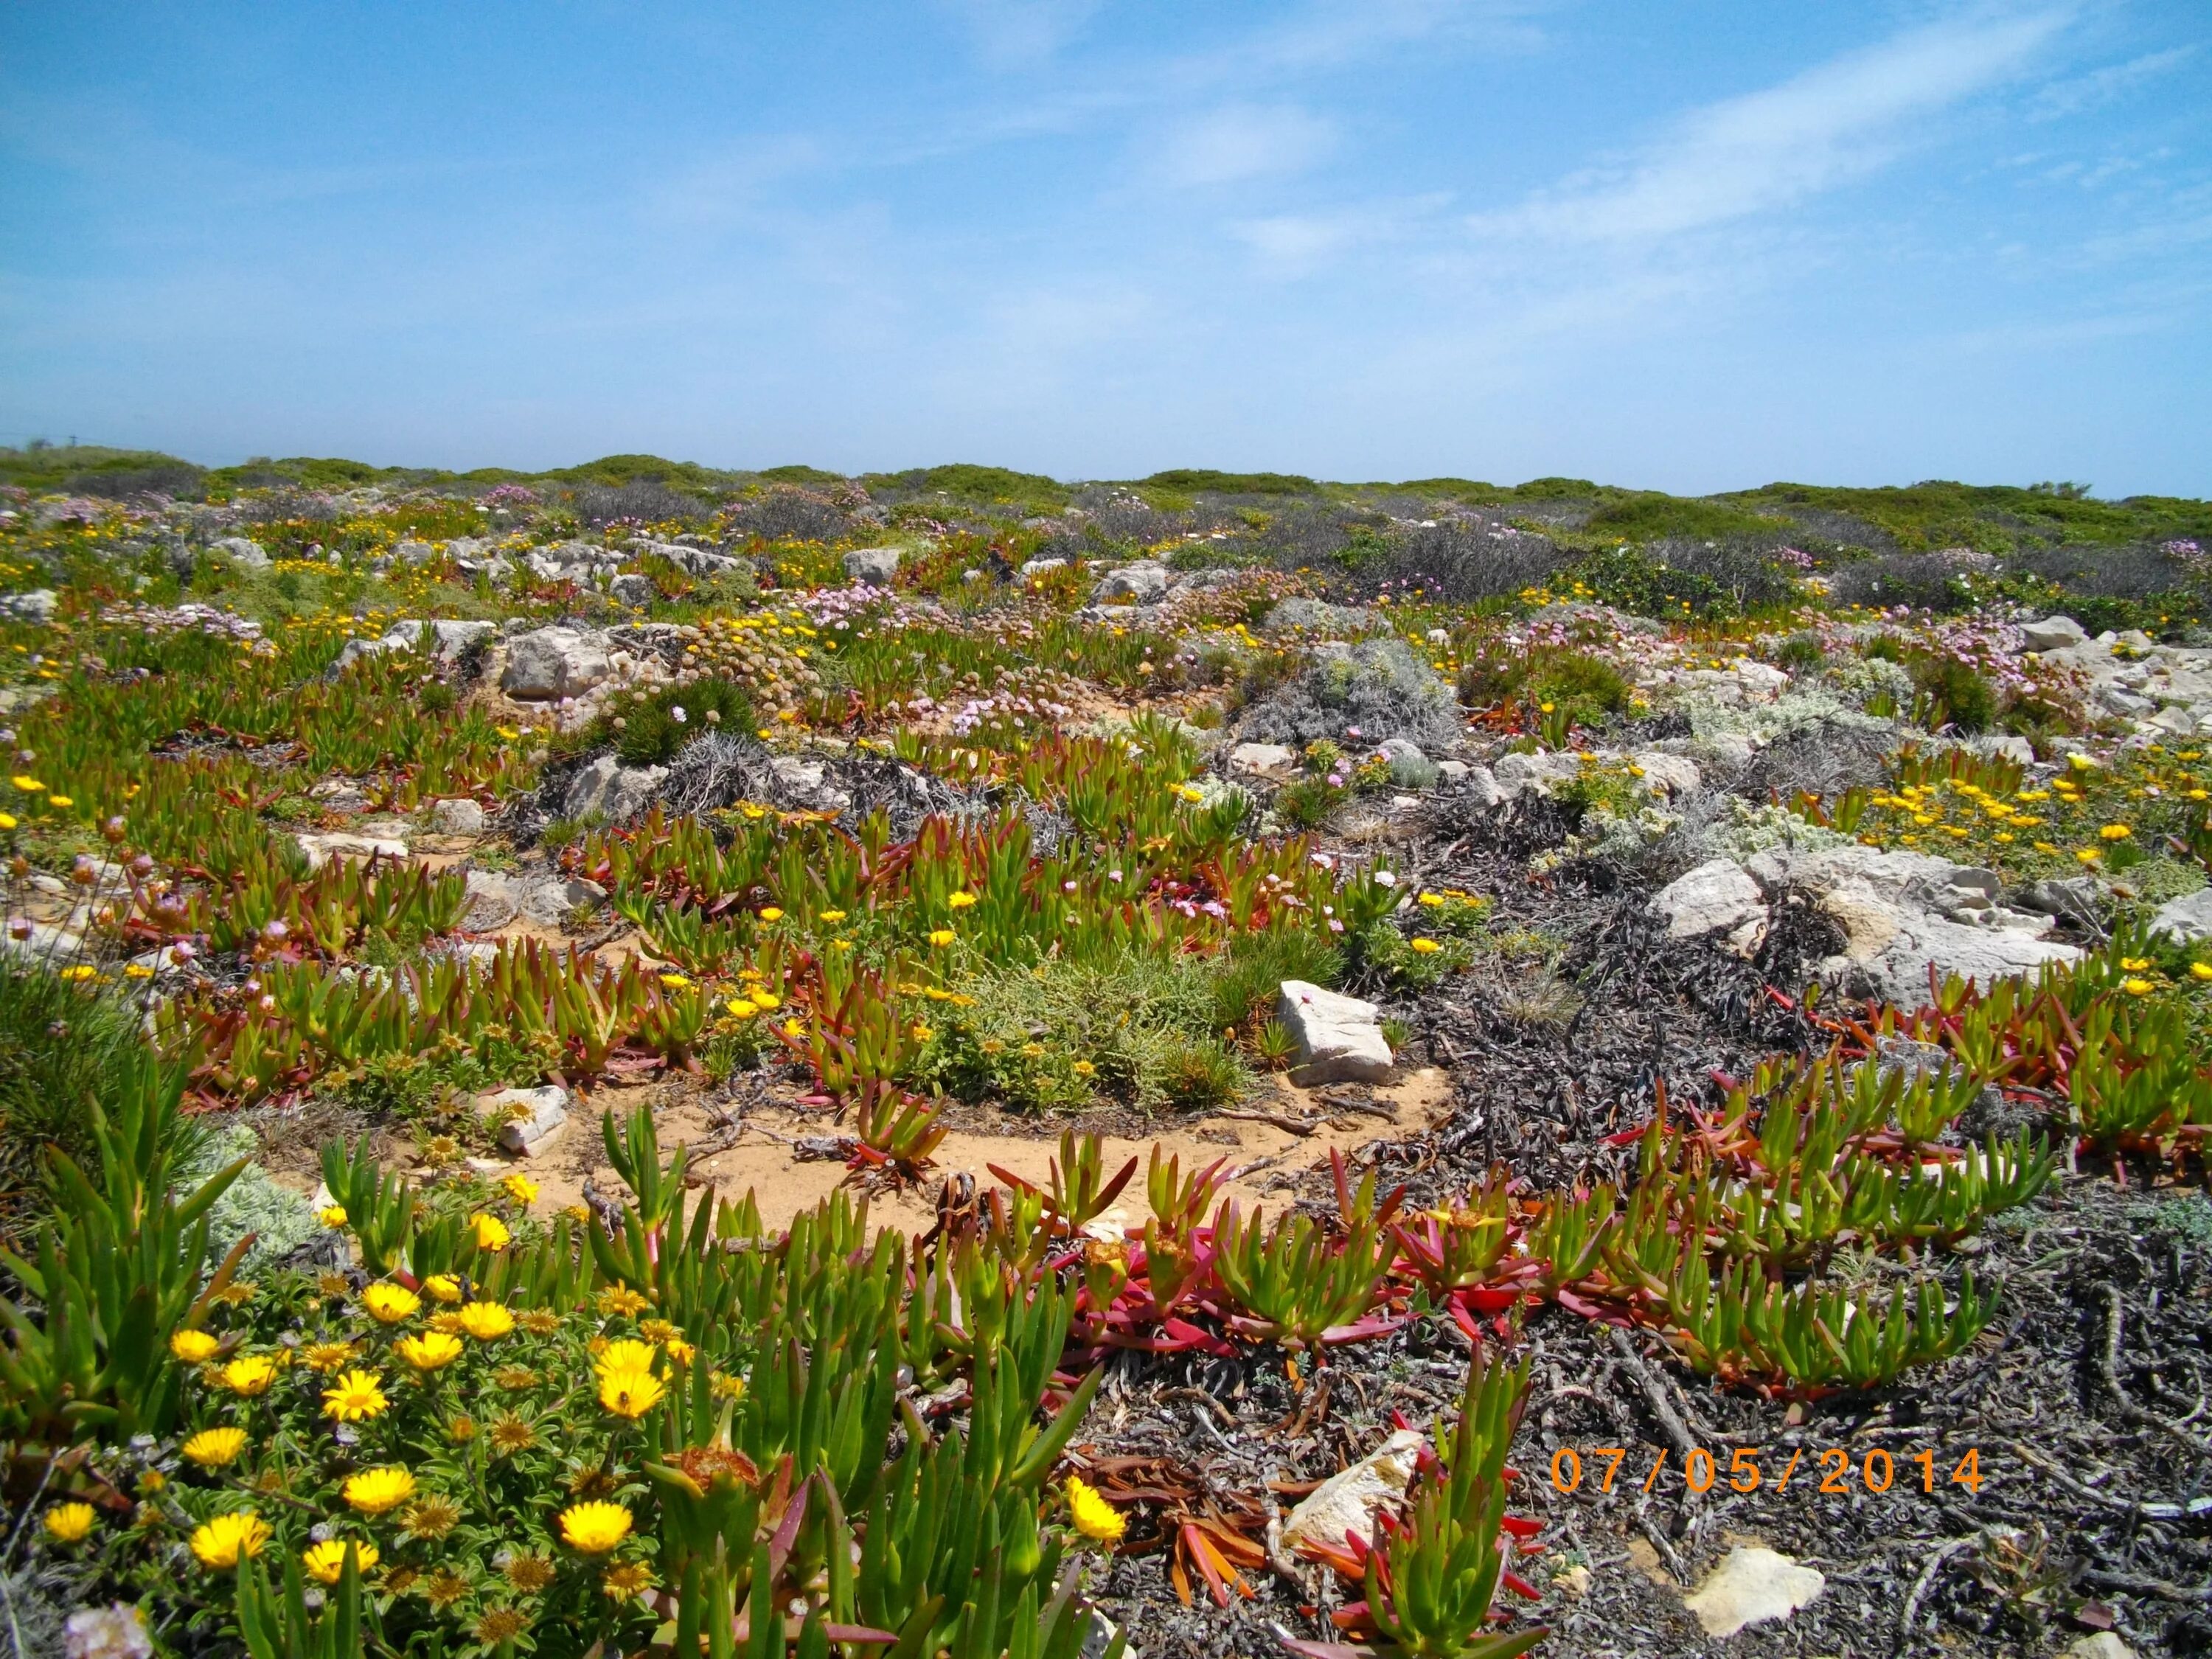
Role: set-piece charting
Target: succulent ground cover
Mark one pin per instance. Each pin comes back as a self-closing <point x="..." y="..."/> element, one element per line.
<point x="648" y="1060"/>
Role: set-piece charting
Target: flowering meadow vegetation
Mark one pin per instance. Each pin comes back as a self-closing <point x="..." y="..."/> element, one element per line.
<point x="400" y="798"/>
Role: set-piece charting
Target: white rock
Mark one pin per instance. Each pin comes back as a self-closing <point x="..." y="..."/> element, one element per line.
<point x="633" y="590"/>
<point x="1539" y="774"/>
<point x="875" y="566"/>
<point x="413" y="552"/>
<point x="1038" y="567"/>
<point x="2187" y="919"/>
<point x="2052" y="634"/>
<point x="1140" y="584"/>
<point x="1751" y="1587"/>
<point x="322" y="848"/>
<point x="617" y="792"/>
<point x="807" y="781"/>
<point x="529" y="1117"/>
<point x="2005" y="744"/>
<point x="1262" y="757"/>
<point x="1454" y="771"/>
<point x="457" y="817"/>
<point x="46" y="943"/>
<point x="247" y="555"/>
<point x="1337" y="1038"/>
<point x="1667" y="774"/>
<point x="2175" y="721"/>
<point x="2101" y="1645"/>
<point x="36" y="606"/>
<point x="1349" y="1500"/>
<point x="1901" y="914"/>
<point x="1718" y="897"/>
<point x="554" y="662"/>
<point x="493" y="902"/>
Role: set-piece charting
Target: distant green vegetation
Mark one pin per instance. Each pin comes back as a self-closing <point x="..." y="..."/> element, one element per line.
<point x="984" y="486"/>
<point x="1195" y="480"/>
<point x="1993" y="517"/>
<point x="1575" y="512"/>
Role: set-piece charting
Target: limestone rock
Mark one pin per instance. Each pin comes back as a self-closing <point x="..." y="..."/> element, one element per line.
<point x="1718" y="897"/>
<point x="1750" y="1587"/>
<point x="1262" y="757"/>
<point x="875" y="566"/>
<point x="1539" y="774"/>
<point x="2099" y="1645"/>
<point x="1140" y="583"/>
<point x="450" y="641"/>
<point x="35" y="606"/>
<point x="457" y="817"/>
<point x="1668" y="774"/>
<point x="492" y="902"/>
<point x="246" y="554"/>
<point x="554" y="662"/>
<point x="2187" y="919"/>
<point x="1349" y="1500"/>
<point x="322" y="848"/>
<point x="633" y="590"/>
<point x="1337" y="1038"/>
<point x="2074" y="897"/>
<point x="2052" y="634"/>
<point x="1903" y="913"/>
<point x="617" y="792"/>
<point x="529" y="1117"/>
<point x="1039" y="567"/>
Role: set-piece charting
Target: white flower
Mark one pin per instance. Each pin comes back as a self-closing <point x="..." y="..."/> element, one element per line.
<point x="676" y="713"/>
<point x="1385" y="879"/>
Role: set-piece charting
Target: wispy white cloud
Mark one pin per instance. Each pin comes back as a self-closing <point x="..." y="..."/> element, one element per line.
<point x="1019" y="33"/>
<point x="2102" y="86"/>
<point x="1235" y="142"/>
<point x="1767" y="149"/>
<point x="1294" y="244"/>
<point x="722" y="187"/>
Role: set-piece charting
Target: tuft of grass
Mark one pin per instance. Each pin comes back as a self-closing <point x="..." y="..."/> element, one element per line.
<point x="1248" y="977"/>
<point x="63" y="1050"/>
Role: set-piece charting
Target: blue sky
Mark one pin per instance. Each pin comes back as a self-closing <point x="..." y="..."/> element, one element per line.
<point x="1684" y="246"/>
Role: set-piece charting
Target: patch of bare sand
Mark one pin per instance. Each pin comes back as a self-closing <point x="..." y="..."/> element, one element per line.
<point x="783" y="1185"/>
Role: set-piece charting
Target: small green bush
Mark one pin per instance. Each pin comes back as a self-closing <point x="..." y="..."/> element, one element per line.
<point x="1956" y="694"/>
<point x="651" y="733"/>
<point x="1801" y="654"/>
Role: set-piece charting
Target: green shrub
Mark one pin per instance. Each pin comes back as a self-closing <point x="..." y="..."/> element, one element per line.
<point x="1955" y="693"/>
<point x="650" y="733"/>
<point x="1247" y="979"/>
<point x="1201" y="1076"/>
<point x="1801" y="654"/>
<point x="61" y="1046"/>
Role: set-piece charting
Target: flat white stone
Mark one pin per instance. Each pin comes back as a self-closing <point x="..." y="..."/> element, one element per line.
<point x="2187" y="919"/>
<point x="1262" y="757"/>
<point x="322" y="848"/>
<point x="874" y="565"/>
<point x="1718" y="897"/>
<point x="1751" y="1587"/>
<point x="2052" y="634"/>
<point x="457" y="817"/>
<point x="1337" y="1039"/>
<point x="530" y="1117"/>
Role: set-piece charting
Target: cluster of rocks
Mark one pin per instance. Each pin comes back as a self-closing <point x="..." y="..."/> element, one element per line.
<point x="1131" y="594"/>
<point x="2163" y="690"/>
